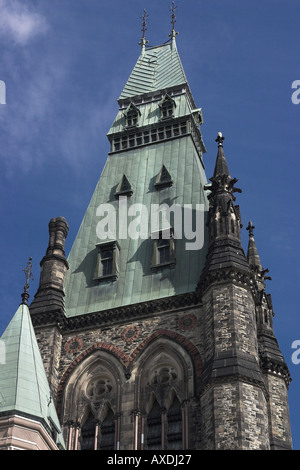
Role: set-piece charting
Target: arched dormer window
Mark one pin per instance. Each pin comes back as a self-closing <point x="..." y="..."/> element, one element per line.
<point x="132" y="114"/>
<point x="167" y="105"/>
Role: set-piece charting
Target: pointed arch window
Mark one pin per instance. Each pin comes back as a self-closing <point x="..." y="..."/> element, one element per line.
<point x="106" y="440"/>
<point x="132" y="114"/>
<point x="88" y="433"/>
<point x="174" y="420"/>
<point x="154" y="426"/>
<point x="167" y="105"/>
<point x="100" y="436"/>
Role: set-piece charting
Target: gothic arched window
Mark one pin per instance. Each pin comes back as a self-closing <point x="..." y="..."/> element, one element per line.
<point x="88" y="433"/>
<point x="106" y="438"/>
<point x="174" y="420"/>
<point x="167" y="106"/>
<point x="132" y="114"/>
<point x="165" y="384"/>
<point x="91" y="406"/>
<point x="154" y="427"/>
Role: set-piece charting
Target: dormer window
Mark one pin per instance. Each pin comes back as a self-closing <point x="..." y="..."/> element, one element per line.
<point x="132" y="114"/>
<point x="124" y="188"/>
<point x="107" y="261"/>
<point x="163" y="250"/>
<point x="167" y="105"/>
<point x="164" y="179"/>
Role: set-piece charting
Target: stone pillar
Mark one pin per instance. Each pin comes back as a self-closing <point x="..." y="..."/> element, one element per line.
<point x="234" y="399"/>
<point x="50" y="294"/>
<point x="47" y="308"/>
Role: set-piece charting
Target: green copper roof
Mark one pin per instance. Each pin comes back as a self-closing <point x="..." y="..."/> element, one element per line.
<point x="139" y="152"/>
<point x="150" y="113"/>
<point x="24" y="387"/>
<point x="136" y="282"/>
<point x="158" y="68"/>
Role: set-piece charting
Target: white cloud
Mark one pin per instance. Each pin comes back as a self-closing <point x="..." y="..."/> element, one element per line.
<point x="18" y="23"/>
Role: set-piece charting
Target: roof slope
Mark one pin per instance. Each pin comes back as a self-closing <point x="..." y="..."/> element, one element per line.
<point x="24" y="387"/>
<point x="136" y="282"/>
<point x="158" y="68"/>
<point x="179" y="148"/>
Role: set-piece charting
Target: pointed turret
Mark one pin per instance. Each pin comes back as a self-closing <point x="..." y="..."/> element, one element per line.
<point x="252" y="253"/>
<point x="28" y="418"/>
<point x="221" y="167"/>
<point x="272" y="362"/>
<point x="254" y="260"/>
<point x="226" y="256"/>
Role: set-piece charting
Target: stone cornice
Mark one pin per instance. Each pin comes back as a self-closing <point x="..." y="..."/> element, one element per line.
<point x="107" y="318"/>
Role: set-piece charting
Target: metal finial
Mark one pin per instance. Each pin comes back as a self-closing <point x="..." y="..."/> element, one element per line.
<point x="144" y="23"/>
<point x="143" y="41"/>
<point x="250" y="227"/>
<point x="173" y="20"/>
<point x="28" y="276"/>
<point x="220" y="139"/>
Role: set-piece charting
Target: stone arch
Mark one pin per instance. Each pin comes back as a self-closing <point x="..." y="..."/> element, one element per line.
<point x="165" y="371"/>
<point x="164" y="364"/>
<point x="89" y="384"/>
<point x="114" y="353"/>
<point x="176" y="339"/>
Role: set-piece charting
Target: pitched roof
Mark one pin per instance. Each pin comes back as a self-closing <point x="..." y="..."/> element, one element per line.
<point x="171" y="143"/>
<point x="136" y="282"/>
<point x="24" y="388"/>
<point x="157" y="68"/>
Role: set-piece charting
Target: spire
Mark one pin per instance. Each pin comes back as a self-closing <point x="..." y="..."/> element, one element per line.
<point x="226" y="257"/>
<point x="254" y="259"/>
<point x="173" y="21"/>
<point x="252" y="253"/>
<point x="221" y="180"/>
<point x="221" y="168"/>
<point x="143" y="40"/>
<point x="28" y="275"/>
<point x="23" y="383"/>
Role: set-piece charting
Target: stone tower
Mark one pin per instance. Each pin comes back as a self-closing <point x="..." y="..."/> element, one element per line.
<point x="157" y="331"/>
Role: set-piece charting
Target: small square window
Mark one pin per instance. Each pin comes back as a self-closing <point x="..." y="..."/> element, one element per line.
<point x="107" y="261"/>
<point x="153" y="135"/>
<point x="132" y="119"/>
<point x="167" y="110"/>
<point x="163" y="247"/>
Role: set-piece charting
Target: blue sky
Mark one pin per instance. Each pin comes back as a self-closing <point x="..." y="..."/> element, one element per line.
<point x="64" y="64"/>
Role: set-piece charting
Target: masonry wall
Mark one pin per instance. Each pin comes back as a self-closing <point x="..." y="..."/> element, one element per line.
<point x="172" y="333"/>
<point x="213" y="348"/>
<point x="234" y="400"/>
<point x="280" y="435"/>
